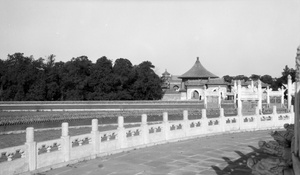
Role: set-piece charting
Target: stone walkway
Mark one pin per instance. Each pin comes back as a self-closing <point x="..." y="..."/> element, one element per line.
<point x="215" y="155"/>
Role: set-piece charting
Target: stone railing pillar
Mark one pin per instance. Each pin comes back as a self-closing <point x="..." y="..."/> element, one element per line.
<point x="166" y="125"/>
<point x="121" y="132"/>
<point x="274" y="110"/>
<point x="282" y="97"/>
<point x="289" y="92"/>
<point x="259" y="93"/>
<point x="239" y="112"/>
<point x="66" y="146"/>
<point x="31" y="153"/>
<point x="145" y="129"/>
<point x="292" y="114"/>
<point x="204" y="120"/>
<point x="222" y="119"/>
<point x="95" y="137"/>
<point x="219" y="99"/>
<point x="240" y="118"/>
<point x="186" y="126"/>
<point x="222" y="112"/>
<point x="275" y="118"/>
<point x="292" y="109"/>
<point x="268" y="96"/>
<point x="257" y="110"/>
<point x="205" y="97"/>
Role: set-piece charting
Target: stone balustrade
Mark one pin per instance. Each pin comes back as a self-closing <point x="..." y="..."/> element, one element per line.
<point x="60" y="152"/>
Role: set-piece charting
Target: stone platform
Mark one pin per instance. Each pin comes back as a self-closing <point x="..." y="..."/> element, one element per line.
<point x="215" y="155"/>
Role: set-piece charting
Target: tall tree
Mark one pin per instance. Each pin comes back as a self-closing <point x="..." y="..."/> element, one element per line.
<point x="75" y="78"/>
<point x="148" y="84"/>
<point x="228" y="78"/>
<point x="267" y="79"/>
<point x="123" y="81"/>
<point x="241" y="77"/>
<point x="102" y="80"/>
<point x="254" y="77"/>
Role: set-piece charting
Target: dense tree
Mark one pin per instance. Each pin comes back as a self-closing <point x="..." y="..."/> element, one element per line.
<point x="101" y="80"/>
<point x="25" y="78"/>
<point x="123" y="81"/>
<point x="228" y="78"/>
<point x="75" y="78"/>
<point x="254" y="77"/>
<point x="288" y="71"/>
<point x="241" y="77"/>
<point x="267" y="79"/>
<point x="148" y="84"/>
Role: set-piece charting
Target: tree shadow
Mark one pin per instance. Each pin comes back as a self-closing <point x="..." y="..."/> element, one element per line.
<point x="239" y="166"/>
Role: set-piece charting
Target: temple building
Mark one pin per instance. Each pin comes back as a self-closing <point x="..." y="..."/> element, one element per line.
<point x="193" y="84"/>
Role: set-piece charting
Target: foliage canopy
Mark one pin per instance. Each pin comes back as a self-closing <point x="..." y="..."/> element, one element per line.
<point x="23" y="78"/>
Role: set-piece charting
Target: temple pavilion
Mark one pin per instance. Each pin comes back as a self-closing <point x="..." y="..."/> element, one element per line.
<point x="192" y="84"/>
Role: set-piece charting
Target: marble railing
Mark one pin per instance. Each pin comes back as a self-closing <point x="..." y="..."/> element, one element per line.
<point x="69" y="149"/>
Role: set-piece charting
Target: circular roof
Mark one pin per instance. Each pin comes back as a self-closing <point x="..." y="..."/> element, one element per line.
<point x="198" y="71"/>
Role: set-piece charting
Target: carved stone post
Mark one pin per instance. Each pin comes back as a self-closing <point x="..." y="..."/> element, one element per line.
<point x="186" y="126"/>
<point x="289" y="92"/>
<point x="222" y="119"/>
<point x="145" y="130"/>
<point x="166" y="125"/>
<point x="204" y="121"/>
<point x="239" y="89"/>
<point x="259" y="91"/>
<point x="205" y="97"/>
<point x="234" y="92"/>
<point x="219" y="98"/>
<point x="268" y="96"/>
<point x="95" y="137"/>
<point x="121" y="132"/>
<point x="257" y="110"/>
<point x="275" y="119"/>
<point x="292" y="113"/>
<point x="282" y="96"/>
<point x="65" y="141"/>
<point x="31" y="153"/>
<point x="274" y="110"/>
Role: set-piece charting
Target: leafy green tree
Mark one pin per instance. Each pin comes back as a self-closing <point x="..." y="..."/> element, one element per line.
<point x="254" y="77"/>
<point x="54" y="83"/>
<point x="75" y="78"/>
<point x="267" y="79"/>
<point x="288" y="71"/>
<point x="37" y="90"/>
<point x="19" y="76"/>
<point x="228" y="78"/>
<point x="101" y="80"/>
<point x="123" y="79"/>
<point x="148" y="84"/>
<point x="2" y="78"/>
<point x="241" y="77"/>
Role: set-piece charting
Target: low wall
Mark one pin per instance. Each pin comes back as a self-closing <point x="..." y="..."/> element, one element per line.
<point x="68" y="149"/>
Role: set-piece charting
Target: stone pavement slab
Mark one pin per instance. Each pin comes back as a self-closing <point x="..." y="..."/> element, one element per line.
<point x="214" y="155"/>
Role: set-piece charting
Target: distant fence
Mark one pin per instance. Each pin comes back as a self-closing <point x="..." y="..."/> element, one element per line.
<point x="69" y="149"/>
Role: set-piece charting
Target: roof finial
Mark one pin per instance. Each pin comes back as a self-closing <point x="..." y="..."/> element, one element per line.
<point x="197" y="58"/>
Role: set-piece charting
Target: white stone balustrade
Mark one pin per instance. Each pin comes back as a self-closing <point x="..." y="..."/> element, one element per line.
<point x="87" y="146"/>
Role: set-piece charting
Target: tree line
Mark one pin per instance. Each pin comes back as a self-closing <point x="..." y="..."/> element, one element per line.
<point x="24" y="78"/>
<point x="274" y="82"/>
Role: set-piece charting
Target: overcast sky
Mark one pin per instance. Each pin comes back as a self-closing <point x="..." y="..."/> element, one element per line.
<point x="231" y="37"/>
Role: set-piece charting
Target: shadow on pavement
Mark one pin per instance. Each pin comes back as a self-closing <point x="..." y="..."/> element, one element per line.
<point x="239" y="166"/>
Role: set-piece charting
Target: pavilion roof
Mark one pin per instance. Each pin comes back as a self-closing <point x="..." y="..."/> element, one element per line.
<point x="198" y="71"/>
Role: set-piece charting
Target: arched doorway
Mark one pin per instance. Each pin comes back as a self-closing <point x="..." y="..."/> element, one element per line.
<point x="195" y="95"/>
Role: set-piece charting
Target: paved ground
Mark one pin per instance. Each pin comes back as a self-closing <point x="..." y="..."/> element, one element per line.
<point x="215" y="155"/>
